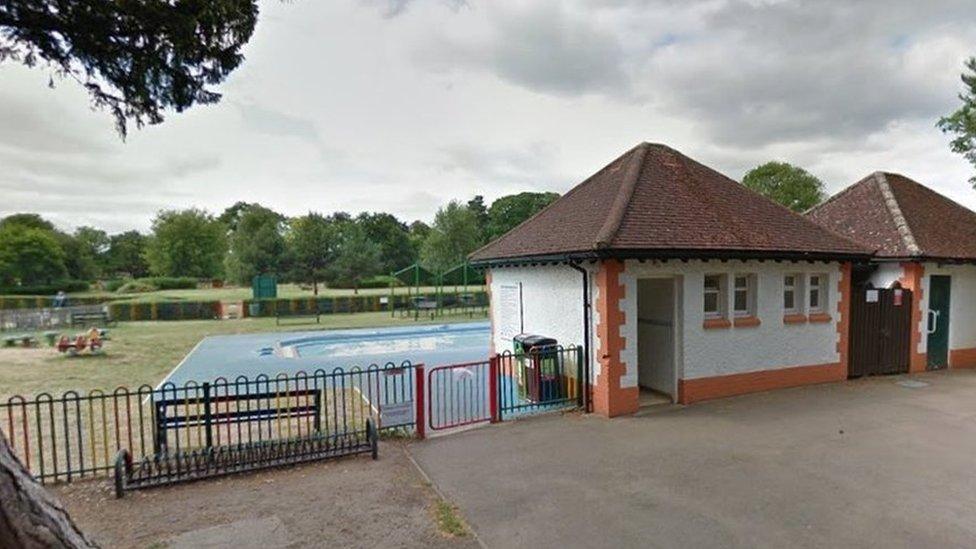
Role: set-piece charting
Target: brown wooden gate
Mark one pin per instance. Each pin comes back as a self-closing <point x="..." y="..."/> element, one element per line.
<point x="880" y="338"/>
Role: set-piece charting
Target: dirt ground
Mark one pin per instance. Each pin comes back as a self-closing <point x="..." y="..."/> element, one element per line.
<point x="349" y="502"/>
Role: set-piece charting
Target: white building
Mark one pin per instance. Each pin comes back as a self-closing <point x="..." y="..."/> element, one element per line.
<point x="678" y="281"/>
<point x="922" y="242"/>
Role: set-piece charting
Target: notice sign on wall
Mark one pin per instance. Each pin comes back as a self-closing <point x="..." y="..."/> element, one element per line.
<point x="509" y="310"/>
<point x="871" y="296"/>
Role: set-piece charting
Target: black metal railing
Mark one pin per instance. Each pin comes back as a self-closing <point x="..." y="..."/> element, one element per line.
<point x="544" y="379"/>
<point x="276" y="420"/>
<point x="78" y="435"/>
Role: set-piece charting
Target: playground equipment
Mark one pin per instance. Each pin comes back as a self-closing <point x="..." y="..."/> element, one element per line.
<point x="91" y="341"/>
<point x="461" y="299"/>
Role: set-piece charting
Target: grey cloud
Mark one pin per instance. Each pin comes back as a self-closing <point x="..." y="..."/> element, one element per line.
<point x="744" y="73"/>
<point x="395" y="8"/>
<point x="785" y="72"/>
<point x="274" y="122"/>
<point x="541" y="46"/>
<point x="529" y="165"/>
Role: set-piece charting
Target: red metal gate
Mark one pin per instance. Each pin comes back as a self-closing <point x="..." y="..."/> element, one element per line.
<point x="462" y="394"/>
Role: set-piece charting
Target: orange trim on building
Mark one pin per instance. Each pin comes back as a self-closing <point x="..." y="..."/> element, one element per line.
<point x="716" y="323"/>
<point x="911" y="279"/>
<point x="491" y="317"/>
<point x="696" y="390"/>
<point x="795" y="319"/>
<point x="609" y="398"/>
<point x="819" y="317"/>
<point x="962" y="358"/>
<point x="747" y="322"/>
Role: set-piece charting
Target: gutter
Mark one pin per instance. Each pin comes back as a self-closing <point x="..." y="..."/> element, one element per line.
<point x="671" y="254"/>
<point x="586" y="335"/>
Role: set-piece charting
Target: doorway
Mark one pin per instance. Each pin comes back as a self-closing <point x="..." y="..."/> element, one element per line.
<point x="937" y="343"/>
<point x="656" y="338"/>
<point x="881" y="330"/>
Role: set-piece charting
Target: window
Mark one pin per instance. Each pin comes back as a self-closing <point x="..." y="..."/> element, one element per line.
<point x="792" y="291"/>
<point x="714" y="293"/>
<point x="743" y="296"/>
<point x="818" y="293"/>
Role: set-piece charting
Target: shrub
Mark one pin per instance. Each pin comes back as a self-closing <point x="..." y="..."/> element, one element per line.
<point x="47" y="289"/>
<point x="174" y="283"/>
<point x="152" y="284"/>
<point x="136" y="286"/>
<point x="114" y="284"/>
<point x="380" y="281"/>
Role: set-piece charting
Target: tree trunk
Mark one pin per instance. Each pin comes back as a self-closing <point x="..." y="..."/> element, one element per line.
<point x="315" y="287"/>
<point x="29" y="516"/>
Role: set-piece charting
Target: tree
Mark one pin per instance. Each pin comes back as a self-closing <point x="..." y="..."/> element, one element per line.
<point x="27" y="220"/>
<point x="454" y="235"/>
<point x="30" y="256"/>
<point x="789" y="185"/>
<point x="480" y="211"/>
<point x="233" y="213"/>
<point x="126" y="254"/>
<point x="508" y="211"/>
<point x="93" y="244"/>
<point x="393" y="237"/>
<point x="310" y="243"/>
<point x="962" y="123"/>
<point x="256" y="245"/>
<point x="136" y="59"/>
<point x="29" y="515"/>
<point x="78" y="260"/>
<point x="186" y="243"/>
<point x="418" y="234"/>
<point x="356" y="257"/>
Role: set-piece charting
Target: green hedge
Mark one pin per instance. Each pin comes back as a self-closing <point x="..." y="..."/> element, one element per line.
<point x="344" y="304"/>
<point x="43" y="301"/>
<point x="155" y="283"/>
<point x="165" y="310"/>
<point x="46" y="289"/>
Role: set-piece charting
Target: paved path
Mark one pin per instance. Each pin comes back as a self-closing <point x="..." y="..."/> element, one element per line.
<point x="867" y="463"/>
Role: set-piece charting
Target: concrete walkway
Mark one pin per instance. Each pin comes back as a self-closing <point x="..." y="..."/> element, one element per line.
<point x="867" y="463"/>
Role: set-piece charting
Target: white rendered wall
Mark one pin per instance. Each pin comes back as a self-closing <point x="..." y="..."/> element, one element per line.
<point x="886" y="275"/>
<point x="962" y="305"/>
<point x="707" y="353"/>
<point x="552" y="302"/>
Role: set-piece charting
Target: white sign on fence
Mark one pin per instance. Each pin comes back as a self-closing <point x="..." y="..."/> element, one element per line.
<point x="396" y="414"/>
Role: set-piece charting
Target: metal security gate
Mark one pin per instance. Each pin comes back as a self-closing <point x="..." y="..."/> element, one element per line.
<point x="880" y="336"/>
<point x="504" y="387"/>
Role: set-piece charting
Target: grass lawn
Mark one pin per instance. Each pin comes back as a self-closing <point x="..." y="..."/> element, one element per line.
<point x="236" y="293"/>
<point x="144" y="352"/>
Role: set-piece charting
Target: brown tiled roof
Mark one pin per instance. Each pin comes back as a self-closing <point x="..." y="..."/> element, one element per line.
<point x="655" y="201"/>
<point x="900" y="219"/>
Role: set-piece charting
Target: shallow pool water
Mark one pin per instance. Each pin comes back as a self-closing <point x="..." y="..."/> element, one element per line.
<point x="288" y="352"/>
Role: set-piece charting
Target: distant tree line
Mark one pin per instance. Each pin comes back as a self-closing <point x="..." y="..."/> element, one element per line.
<point x="248" y="239"/>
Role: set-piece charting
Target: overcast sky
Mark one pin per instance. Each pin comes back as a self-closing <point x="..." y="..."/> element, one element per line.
<point x="400" y="105"/>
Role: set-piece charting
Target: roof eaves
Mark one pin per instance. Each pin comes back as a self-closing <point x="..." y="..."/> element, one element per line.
<point x="901" y="224"/>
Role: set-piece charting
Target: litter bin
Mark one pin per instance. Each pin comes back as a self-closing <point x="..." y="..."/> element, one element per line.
<point x="539" y="375"/>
